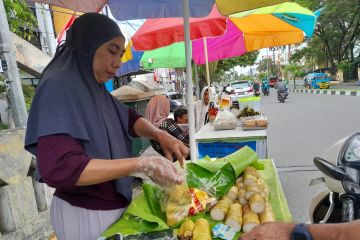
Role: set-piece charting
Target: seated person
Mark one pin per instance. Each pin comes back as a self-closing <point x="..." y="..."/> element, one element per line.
<point x="181" y="115"/>
<point x="157" y="112"/>
<point x="181" y="118"/>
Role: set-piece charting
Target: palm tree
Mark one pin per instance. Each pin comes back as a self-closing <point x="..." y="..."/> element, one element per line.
<point x="292" y="70"/>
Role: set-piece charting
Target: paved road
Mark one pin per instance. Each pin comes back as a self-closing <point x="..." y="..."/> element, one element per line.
<point x="301" y="128"/>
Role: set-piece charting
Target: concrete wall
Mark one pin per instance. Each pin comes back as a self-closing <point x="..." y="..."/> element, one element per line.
<point x="24" y="203"/>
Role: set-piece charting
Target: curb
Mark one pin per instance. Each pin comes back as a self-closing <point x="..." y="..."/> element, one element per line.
<point x="328" y="92"/>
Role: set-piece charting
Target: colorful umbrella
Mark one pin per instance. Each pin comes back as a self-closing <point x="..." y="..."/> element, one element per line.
<point x="145" y="9"/>
<point x="156" y="33"/>
<point x="251" y="32"/>
<point x="266" y="27"/>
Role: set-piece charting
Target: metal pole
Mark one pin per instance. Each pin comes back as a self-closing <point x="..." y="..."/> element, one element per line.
<point x="206" y="62"/>
<point x="197" y="82"/>
<point x="189" y="93"/>
<point x="267" y="64"/>
<point x="49" y="31"/>
<point x="7" y="53"/>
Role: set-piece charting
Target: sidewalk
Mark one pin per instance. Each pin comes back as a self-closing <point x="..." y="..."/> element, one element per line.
<point x="346" y="89"/>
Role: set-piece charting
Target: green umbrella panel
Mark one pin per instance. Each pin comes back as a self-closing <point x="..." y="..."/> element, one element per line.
<point x="172" y="56"/>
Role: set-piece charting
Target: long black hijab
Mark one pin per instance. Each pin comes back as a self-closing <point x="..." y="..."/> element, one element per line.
<point x="68" y="99"/>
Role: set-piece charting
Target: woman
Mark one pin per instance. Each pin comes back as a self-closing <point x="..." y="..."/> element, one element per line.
<point x="157" y="112"/>
<point x="80" y="134"/>
<point x="201" y="109"/>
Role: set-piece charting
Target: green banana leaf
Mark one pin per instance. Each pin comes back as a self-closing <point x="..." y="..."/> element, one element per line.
<point x="140" y="216"/>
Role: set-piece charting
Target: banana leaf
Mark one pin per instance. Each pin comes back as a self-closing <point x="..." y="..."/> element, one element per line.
<point x="139" y="216"/>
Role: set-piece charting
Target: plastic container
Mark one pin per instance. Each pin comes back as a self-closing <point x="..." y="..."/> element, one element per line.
<point x="254" y="123"/>
<point x="252" y="102"/>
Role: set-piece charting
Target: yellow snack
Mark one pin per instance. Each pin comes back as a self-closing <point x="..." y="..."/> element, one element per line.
<point x="201" y="230"/>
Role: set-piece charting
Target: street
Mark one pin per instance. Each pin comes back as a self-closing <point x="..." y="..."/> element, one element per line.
<point x="300" y="129"/>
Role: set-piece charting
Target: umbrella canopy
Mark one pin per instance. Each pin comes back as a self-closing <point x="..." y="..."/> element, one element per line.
<point x="156" y="33"/>
<point x="144" y="9"/>
<point x="247" y="32"/>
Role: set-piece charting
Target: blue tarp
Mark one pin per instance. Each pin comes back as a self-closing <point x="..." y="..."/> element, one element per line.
<point x="130" y="66"/>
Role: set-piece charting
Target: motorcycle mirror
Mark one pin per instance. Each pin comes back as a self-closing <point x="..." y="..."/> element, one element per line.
<point x="330" y="169"/>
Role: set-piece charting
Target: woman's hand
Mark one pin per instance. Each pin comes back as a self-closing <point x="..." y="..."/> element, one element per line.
<point x="159" y="170"/>
<point x="270" y="231"/>
<point x="170" y="145"/>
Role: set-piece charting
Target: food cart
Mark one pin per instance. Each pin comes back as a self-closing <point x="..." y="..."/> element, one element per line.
<point x="220" y="143"/>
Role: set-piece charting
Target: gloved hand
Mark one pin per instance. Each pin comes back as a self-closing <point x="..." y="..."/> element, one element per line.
<point x="160" y="170"/>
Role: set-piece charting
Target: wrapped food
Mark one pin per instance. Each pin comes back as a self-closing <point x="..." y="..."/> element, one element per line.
<point x="178" y="204"/>
<point x="187" y="228"/>
<point x="201" y="230"/>
<point x="268" y="214"/>
<point x="250" y="219"/>
<point x="264" y="188"/>
<point x="241" y="196"/>
<point x="250" y="179"/>
<point x="251" y="190"/>
<point x="221" y="208"/>
<point x="199" y="201"/>
<point x="257" y="203"/>
<point x="232" y="193"/>
<point x="234" y="217"/>
<point x="224" y="232"/>
<point x="240" y="182"/>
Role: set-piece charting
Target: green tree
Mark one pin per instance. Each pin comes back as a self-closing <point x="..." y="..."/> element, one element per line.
<point x="293" y="71"/>
<point x="266" y="64"/>
<point x="337" y="32"/>
<point x="21" y="19"/>
<point x="243" y="61"/>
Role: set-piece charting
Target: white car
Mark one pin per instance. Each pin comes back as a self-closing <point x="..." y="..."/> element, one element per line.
<point x="240" y="89"/>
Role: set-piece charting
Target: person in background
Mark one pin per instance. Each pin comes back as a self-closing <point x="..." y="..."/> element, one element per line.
<point x="157" y="112"/>
<point x="201" y="108"/>
<point x="292" y="231"/>
<point x="181" y="115"/>
<point x="80" y="134"/>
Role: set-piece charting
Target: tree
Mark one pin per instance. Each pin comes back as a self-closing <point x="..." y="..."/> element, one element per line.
<point x="21" y="19"/>
<point x="243" y="61"/>
<point x="337" y="31"/>
<point x="266" y="64"/>
<point x="293" y="71"/>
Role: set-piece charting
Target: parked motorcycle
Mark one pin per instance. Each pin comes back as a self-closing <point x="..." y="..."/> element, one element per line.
<point x="339" y="200"/>
<point x="282" y="96"/>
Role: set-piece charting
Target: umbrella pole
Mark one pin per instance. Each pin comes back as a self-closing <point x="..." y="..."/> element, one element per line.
<point x="207" y="63"/>
<point x="189" y="82"/>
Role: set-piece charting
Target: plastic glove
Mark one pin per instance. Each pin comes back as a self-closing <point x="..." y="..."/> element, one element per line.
<point x="160" y="170"/>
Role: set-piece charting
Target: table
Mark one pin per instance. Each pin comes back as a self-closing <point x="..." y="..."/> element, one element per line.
<point x="224" y="142"/>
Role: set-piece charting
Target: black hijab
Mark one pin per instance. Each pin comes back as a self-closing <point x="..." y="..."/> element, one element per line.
<point x="68" y="99"/>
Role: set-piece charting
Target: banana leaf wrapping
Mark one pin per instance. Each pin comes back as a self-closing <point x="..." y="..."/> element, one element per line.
<point x="144" y="213"/>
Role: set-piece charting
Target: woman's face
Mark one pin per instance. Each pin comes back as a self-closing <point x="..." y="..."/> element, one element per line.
<point x="107" y="59"/>
<point x="206" y="97"/>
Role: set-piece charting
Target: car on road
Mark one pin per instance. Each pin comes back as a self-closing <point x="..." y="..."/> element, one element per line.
<point x="317" y="80"/>
<point x="240" y="89"/>
<point x="273" y="81"/>
<point x="175" y="99"/>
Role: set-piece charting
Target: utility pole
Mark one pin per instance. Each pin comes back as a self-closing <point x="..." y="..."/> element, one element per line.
<point x="7" y="54"/>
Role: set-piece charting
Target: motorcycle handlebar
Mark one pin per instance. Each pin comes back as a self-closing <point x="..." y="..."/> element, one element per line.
<point x="347" y="209"/>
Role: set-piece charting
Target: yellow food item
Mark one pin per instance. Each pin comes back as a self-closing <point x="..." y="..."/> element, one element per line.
<point x="268" y="214"/>
<point x="250" y="219"/>
<point x="198" y="202"/>
<point x="221" y="208"/>
<point x="257" y="203"/>
<point x="234" y="217"/>
<point x="187" y="228"/>
<point x="201" y="230"/>
<point x="178" y="204"/>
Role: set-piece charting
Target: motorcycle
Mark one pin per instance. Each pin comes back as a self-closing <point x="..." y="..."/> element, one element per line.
<point x="266" y="91"/>
<point x="257" y="92"/>
<point x="282" y="96"/>
<point x="339" y="201"/>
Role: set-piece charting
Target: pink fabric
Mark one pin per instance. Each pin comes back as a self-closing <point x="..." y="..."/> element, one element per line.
<point x="161" y="32"/>
<point x="229" y="45"/>
<point x="157" y="110"/>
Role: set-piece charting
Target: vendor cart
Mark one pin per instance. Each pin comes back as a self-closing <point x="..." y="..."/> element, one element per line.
<point x="221" y="143"/>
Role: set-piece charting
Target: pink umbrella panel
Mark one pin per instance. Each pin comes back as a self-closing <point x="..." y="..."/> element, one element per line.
<point x="231" y="44"/>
